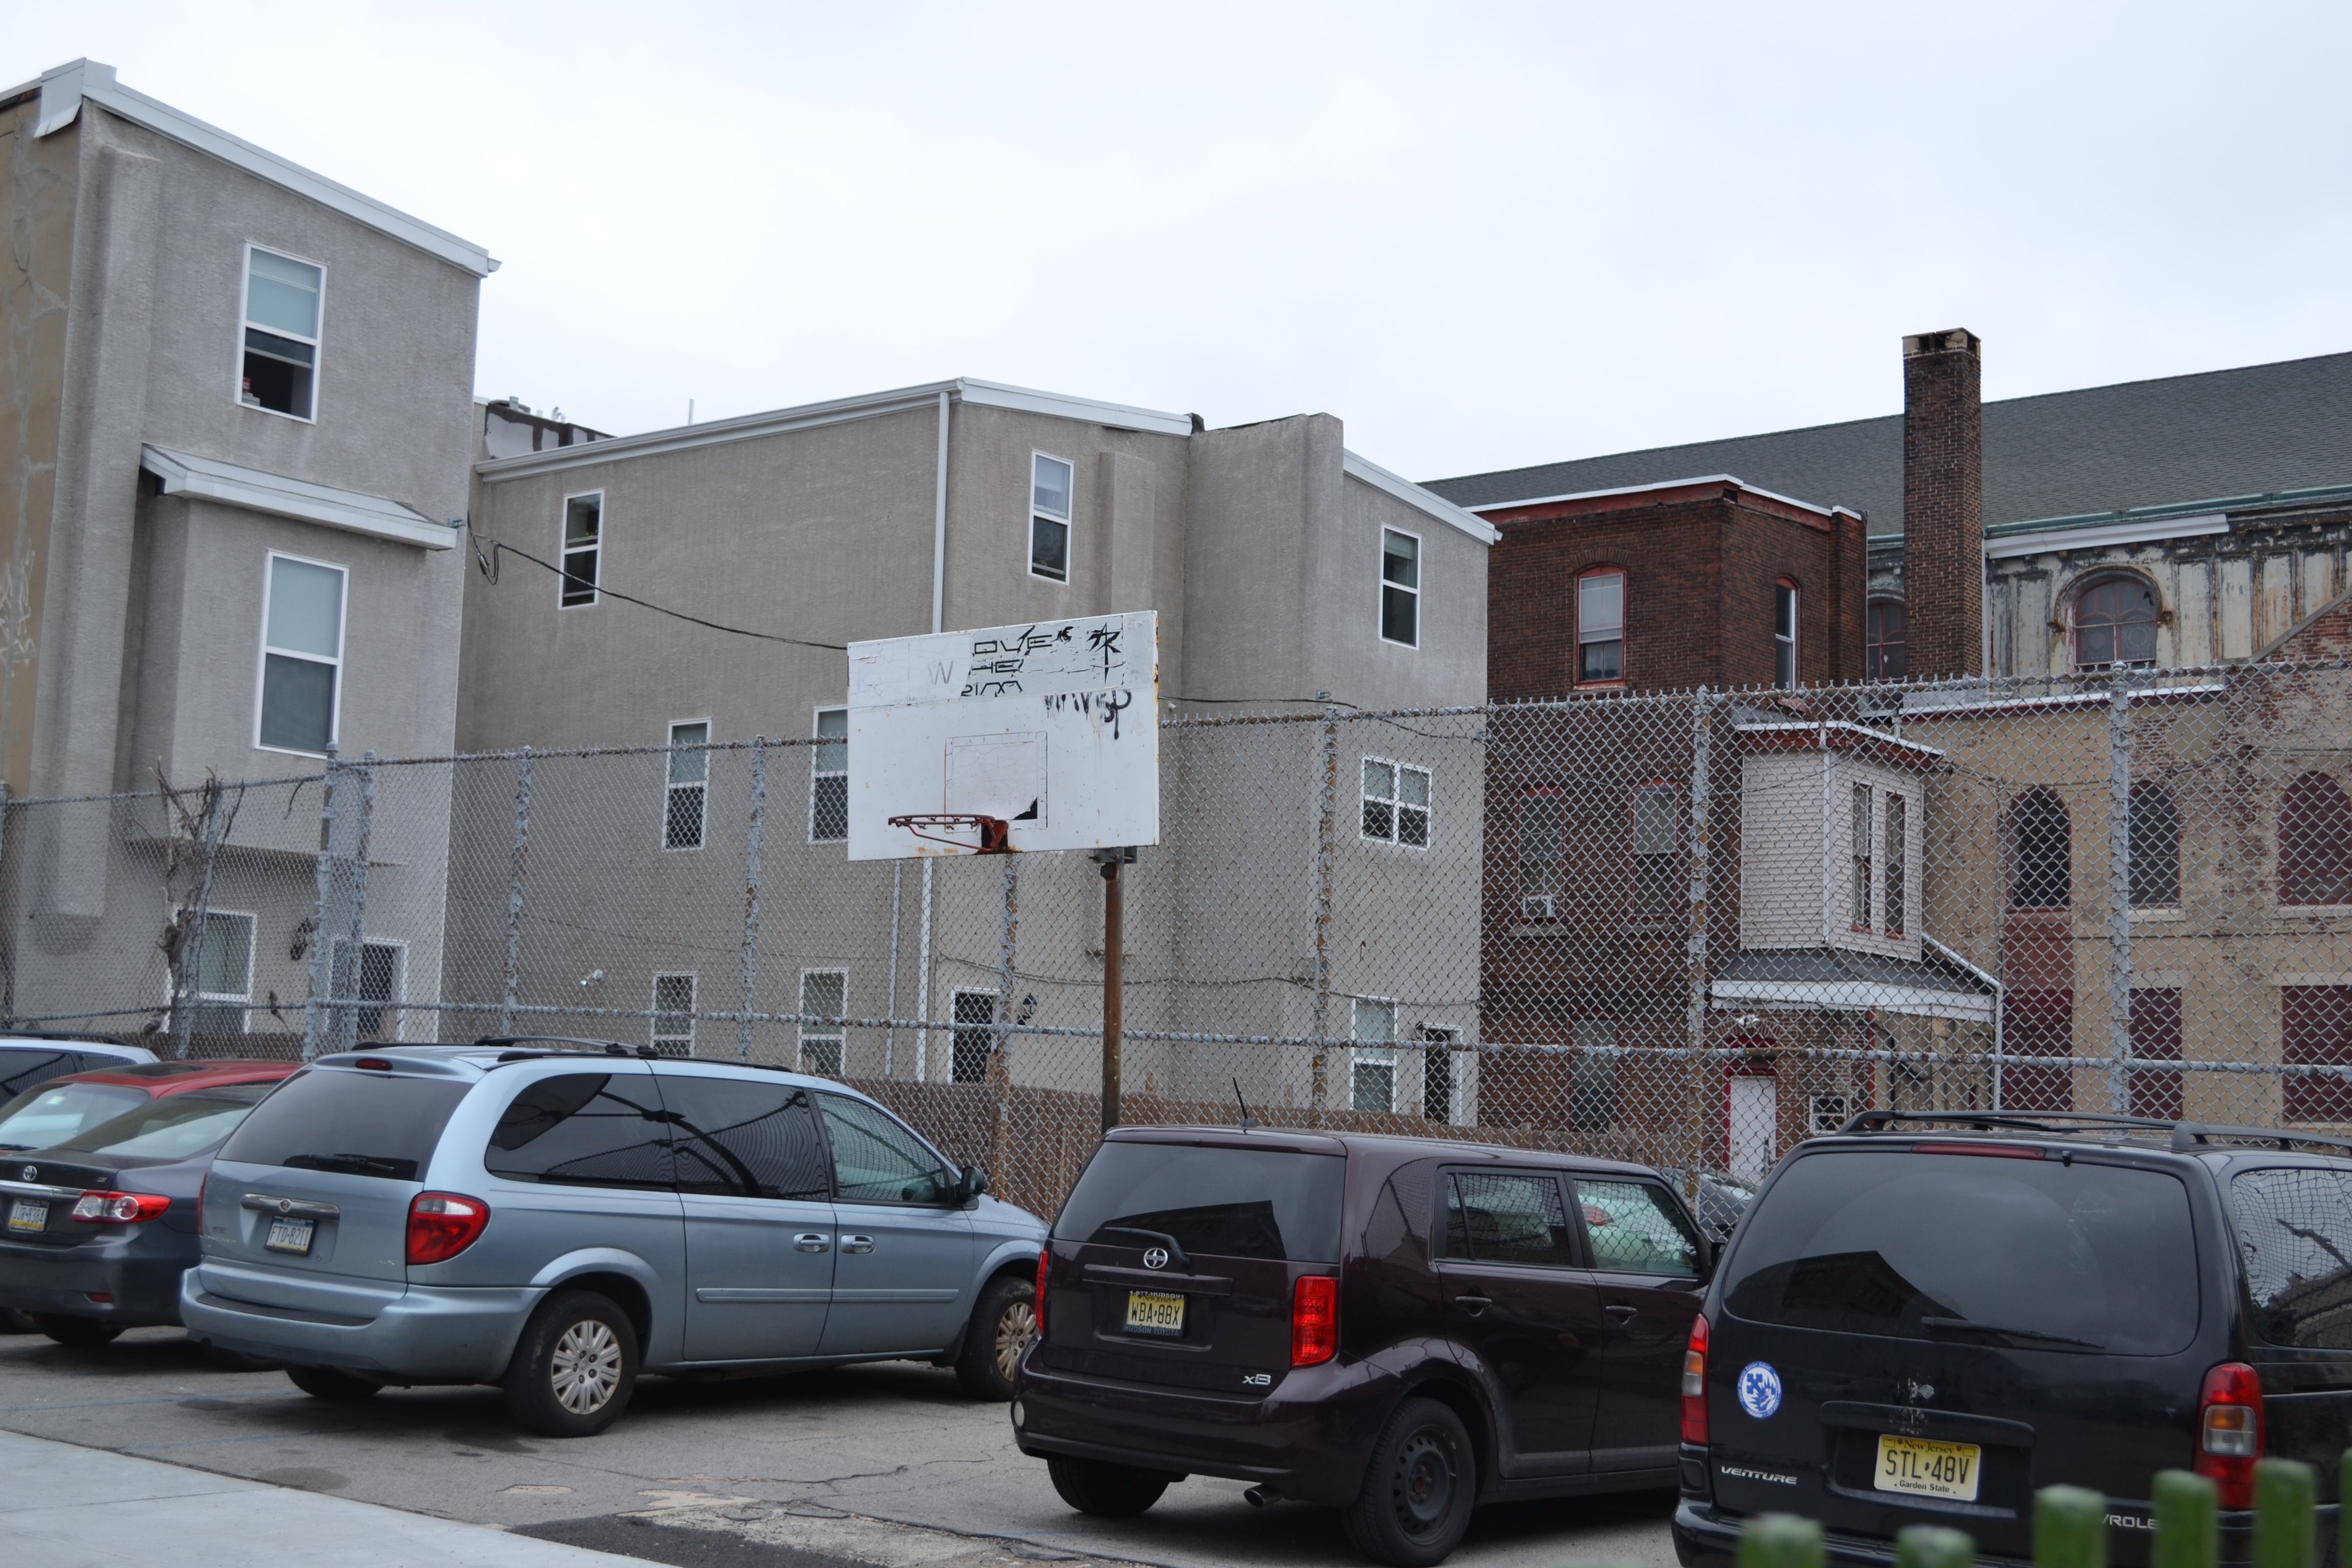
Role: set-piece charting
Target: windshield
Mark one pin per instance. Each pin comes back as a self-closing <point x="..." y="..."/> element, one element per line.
<point x="360" y="1123"/>
<point x="177" y="1126"/>
<point x="45" y="1117"/>
<point x="1223" y="1202"/>
<point x="2040" y="1254"/>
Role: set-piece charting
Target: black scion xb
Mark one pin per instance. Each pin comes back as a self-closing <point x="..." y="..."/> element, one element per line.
<point x="1925" y="1319"/>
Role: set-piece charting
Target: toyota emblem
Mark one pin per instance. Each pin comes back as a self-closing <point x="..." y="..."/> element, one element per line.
<point x="29" y="1174"/>
<point x="1155" y="1258"/>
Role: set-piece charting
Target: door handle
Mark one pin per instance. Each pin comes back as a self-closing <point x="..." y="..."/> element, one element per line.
<point x="810" y="1241"/>
<point x="1474" y="1305"/>
<point x="857" y="1244"/>
<point x="1621" y="1315"/>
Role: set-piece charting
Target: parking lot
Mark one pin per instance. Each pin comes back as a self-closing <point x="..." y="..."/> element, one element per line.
<point x="833" y="1464"/>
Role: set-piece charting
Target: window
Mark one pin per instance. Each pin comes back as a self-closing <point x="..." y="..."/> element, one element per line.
<point x="876" y="1161"/>
<point x="375" y="976"/>
<point x="825" y="994"/>
<point x="2156" y="1037"/>
<point x="583" y="548"/>
<point x="1049" y="517"/>
<point x="1539" y="856"/>
<point x="2316" y="1030"/>
<point x="1898" y="857"/>
<point x="2115" y="625"/>
<point x="673" y="1015"/>
<point x="579" y="1129"/>
<point x="734" y="1139"/>
<point x="1437" y="1047"/>
<point x="686" y="793"/>
<point x="975" y="1036"/>
<point x="2038" y="1023"/>
<point x="381" y="1126"/>
<point x="1784" y="633"/>
<point x="1859" y="841"/>
<point x="1225" y="1202"/>
<point x="1396" y="804"/>
<point x="302" y="656"/>
<point x="1828" y="1113"/>
<point x="1601" y="626"/>
<point x="1400" y="588"/>
<point x="280" y="365"/>
<point x="2041" y="841"/>
<point x="1593" y="1076"/>
<point x="829" y="777"/>
<point x="1888" y="623"/>
<point x="1657" y="816"/>
<point x="2296" y="1226"/>
<point x="1497" y="1218"/>
<point x="1635" y="1228"/>
<point x="224" y="974"/>
<point x="1371" y="1066"/>
<point x="2153" y="827"/>
<point x="2315" y="842"/>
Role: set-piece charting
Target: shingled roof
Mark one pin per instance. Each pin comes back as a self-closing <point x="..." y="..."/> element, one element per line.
<point x="2260" y="428"/>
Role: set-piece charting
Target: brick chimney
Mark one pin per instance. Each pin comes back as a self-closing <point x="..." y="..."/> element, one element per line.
<point x="1943" y="503"/>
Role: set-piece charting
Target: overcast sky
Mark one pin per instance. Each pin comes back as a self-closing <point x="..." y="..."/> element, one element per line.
<point x="1484" y="236"/>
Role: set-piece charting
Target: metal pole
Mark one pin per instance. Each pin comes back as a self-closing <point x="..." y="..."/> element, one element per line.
<point x="891" y="1003"/>
<point x="347" y="971"/>
<point x="192" y="955"/>
<point x="1114" y="981"/>
<point x="1694" y="1019"/>
<point x="1324" y="832"/>
<point x="313" y="1010"/>
<point x="923" y="986"/>
<point x="2119" y="934"/>
<point x="752" y="894"/>
<point x="514" y="892"/>
<point x="1000" y="1060"/>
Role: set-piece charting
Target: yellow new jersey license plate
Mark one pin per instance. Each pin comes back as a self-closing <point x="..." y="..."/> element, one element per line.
<point x="1149" y="1312"/>
<point x="1923" y="1468"/>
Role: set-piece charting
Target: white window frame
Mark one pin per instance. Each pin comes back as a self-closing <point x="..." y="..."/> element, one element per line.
<point x="343" y="642"/>
<point x="1594" y="575"/>
<point x="200" y="999"/>
<point x="563" y="575"/>
<point x="1396" y="803"/>
<point x="653" y="1028"/>
<point x="1379" y="600"/>
<point x="1816" y="1124"/>
<point x="1793" y="636"/>
<point x="836" y="1034"/>
<point x="1070" y="524"/>
<point x="817" y="770"/>
<point x="317" y="342"/>
<point x="399" y="980"/>
<point x="1371" y="1053"/>
<point x="671" y="786"/>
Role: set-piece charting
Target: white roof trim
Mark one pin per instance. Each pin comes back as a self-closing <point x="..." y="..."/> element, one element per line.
<point x="809" y="415"/>
<point x="65" y="88"/>
<point x="281" y="497"/>
<point x="1799" y="726"/>
<point x="1412" y="495"/>
<point x="2058" y="539"/>
<point x="1854" y="997"/>
<point x="1673" y="485"/>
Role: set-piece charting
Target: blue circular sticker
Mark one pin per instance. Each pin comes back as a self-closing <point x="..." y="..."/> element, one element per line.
<point x="1760" y="1389"/>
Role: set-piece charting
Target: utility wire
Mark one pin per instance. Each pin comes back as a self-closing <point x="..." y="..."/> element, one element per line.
<point x="489" y="567"/>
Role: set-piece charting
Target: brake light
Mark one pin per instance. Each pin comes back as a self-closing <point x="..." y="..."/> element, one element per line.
<point x="1314" y="1320"/>
<point x="119" y="1208"/>
<point x="2229" y="1431"/>
<point x="1695" y="1386"/>
<point x="1982" y="1150"/>
<point x="443" y="1225"/>
<point x="1037" y="1303"/>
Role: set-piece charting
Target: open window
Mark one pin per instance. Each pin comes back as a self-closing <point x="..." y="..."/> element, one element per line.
<point x="975" y="1040"/>
<point x="302" y="656"/>
<point x="1601" y="626"/>
<point x="279" y="367"/>
<point x="1049" y="517"/>
<point x="583" y="548"/>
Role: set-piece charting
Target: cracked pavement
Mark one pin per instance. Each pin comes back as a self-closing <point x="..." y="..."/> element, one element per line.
<point x="825" y="1464"/>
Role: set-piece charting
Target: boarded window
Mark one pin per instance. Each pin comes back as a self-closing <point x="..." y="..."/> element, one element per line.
<point x="2316" y="1030"/>
<point x="2156" y="1037"/>
<point x="2041" y="851"/>
<point x="2155" y="827"/>
<point x="2316" y="842"/>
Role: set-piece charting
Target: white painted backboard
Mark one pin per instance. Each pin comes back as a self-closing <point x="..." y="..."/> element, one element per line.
<point x="1054" y="727"/>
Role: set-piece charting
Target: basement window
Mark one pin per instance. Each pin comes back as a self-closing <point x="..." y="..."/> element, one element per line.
<point x="1049" y="517"/>
<point x="280" y="365"/>
<point x="583" y="547"/>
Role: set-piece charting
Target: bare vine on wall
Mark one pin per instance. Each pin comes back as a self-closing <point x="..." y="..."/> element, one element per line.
<point x="198" y="820"/>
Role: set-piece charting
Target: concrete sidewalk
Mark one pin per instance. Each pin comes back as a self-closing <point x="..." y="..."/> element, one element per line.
<point x="65" y="1507"/>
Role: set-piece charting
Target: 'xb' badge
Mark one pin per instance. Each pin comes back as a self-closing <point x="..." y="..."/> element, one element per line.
<point x="1760" y="1389"/>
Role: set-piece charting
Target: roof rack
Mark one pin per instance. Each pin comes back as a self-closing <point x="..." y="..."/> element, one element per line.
<point x="2187" y="1136"/>
<point x="2055" y="1121"/>
<point x="518" y="1047"/>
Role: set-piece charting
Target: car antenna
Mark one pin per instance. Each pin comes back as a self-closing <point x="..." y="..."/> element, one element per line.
<point x="1247" y="1122"/>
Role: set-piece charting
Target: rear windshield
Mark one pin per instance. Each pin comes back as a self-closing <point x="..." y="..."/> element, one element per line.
<point x="46" y="1117"/>
<point x="361" y="1123"/>
<point x="22" y="1066"/>
<point x="176" y="1127"/>
<point x="1222" y="1203"/>
<point x="2030" y="1254"/>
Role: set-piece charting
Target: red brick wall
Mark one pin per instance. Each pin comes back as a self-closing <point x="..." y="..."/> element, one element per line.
<point x="1943" y="504"/>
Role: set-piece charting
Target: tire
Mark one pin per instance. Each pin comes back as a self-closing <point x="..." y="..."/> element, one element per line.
<point x="1106" y="1490"/>
<point x="1001" y="1329"/>
<point x="333" y="1383"/>
<point x="576" y="1367"/>
<point x="82" y="1333"/>
<point x="1418" y="1491"/>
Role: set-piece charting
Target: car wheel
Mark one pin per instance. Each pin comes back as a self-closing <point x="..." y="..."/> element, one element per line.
<point x="80" y="1332"/>
<point x="1001" y="1327"/>
<point x="333" y="1382"/>
<point x="1419" y="1490"/>
<point x="1109" y="1492"/>
<point x="573" y="1374"/>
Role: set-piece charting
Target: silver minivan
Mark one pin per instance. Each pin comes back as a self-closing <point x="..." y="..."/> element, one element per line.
<point x="556" y="1217"/>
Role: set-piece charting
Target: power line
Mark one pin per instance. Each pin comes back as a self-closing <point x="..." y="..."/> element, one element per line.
<point x="489" y="567"/>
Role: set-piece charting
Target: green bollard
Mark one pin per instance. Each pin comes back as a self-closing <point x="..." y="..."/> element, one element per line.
<point x="1933" y="1546"/>
<point x="2343" y="1514"/>
<point x="2187" y="1521"/>
<point x="2286" y="1523"/>
<point x="2070" y="1528"/>
<point x="1781" y="1541"/>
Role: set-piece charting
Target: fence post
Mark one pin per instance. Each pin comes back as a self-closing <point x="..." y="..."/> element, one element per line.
<point x="346" y="968"/>
<point x="751" y="896"/>
<point x="1695" y="1023"/>
<point x="2070" y="1528"/>
<point x="1934" y="1546"/>
<point x="192" y="955"/>
<point x="1000" y="1060"/>
<point x="514" y="892"/>
<point x="2187" y="1523"/>
<point x="2286" y="1533"/>
<point x="1781" y="1541"/>
<point x="321" y="979"/>
<point x="1325" y="828"/>
<point x="2119" y="934"/>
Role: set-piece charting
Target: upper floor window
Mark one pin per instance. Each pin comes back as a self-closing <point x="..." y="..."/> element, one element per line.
<point x="686" y="794"/>
<point x="2315" y="842"/>
<point x="1049" y="517"/>
<point x="1601" y="626"/>
<point x="280" y="361"/>
<point x="583" y="547"/>
<point x="1396" y="803"/>
<point x="2041" y="852"/>
<point x="829" y="777"/>
<point x="302" y="656"/>
<point x="1400" y="588"/>
<point x="2154" y="826"/>
<point x="1898" y="860"/>
<point x="2115" y="625"/>
<point x="1883" y="652"/>
<point x="1784" y="633"/>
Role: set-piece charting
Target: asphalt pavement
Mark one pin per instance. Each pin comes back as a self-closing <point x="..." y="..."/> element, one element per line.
<point x="887" y="1466"/>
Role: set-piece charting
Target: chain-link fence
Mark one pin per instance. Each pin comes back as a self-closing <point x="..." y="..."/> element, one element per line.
<point x="1687" y="929"/>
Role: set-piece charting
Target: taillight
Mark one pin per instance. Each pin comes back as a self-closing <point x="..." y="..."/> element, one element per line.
<point x="1314" y="1320"/>
<point x="1037" y="1302"/>
<point x="1694" y="1385"/>
<point x="2229" y="1431"/>
<point x="119" y="1208"/>
<point x="443" y="1225"/>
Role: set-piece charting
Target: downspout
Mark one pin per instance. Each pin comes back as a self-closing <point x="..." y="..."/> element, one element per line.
<point x="938" y="623"/>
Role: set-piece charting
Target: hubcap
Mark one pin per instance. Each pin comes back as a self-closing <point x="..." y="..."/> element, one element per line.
<point x="585" y="1368"/>
<point x="1012" y="1332"/>
<point x="1422" y="1493"/>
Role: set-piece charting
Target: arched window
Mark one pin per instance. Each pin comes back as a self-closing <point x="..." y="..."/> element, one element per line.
<point x="2155" y="827"/>
<point x="2040" y="846"/>
<point x="1784" y="633"/>
<point x="2115" y="623"/>
<point x="1883" y="653"/>
<point x="2315" y="842"/>
<point x="1599" y="626"/>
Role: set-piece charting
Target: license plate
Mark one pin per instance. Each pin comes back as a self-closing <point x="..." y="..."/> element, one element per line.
<point x="294" y="1235"/>
<point x="1923" y="1468"/>
<point x="1149" y="1312"/>
<point x="25" y="1215"/>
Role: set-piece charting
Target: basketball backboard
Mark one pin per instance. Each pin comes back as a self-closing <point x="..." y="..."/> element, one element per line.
<point x="1052" y="728"/>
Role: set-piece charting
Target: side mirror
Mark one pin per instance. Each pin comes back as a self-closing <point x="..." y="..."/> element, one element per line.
<point x="975" y="1183"/>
